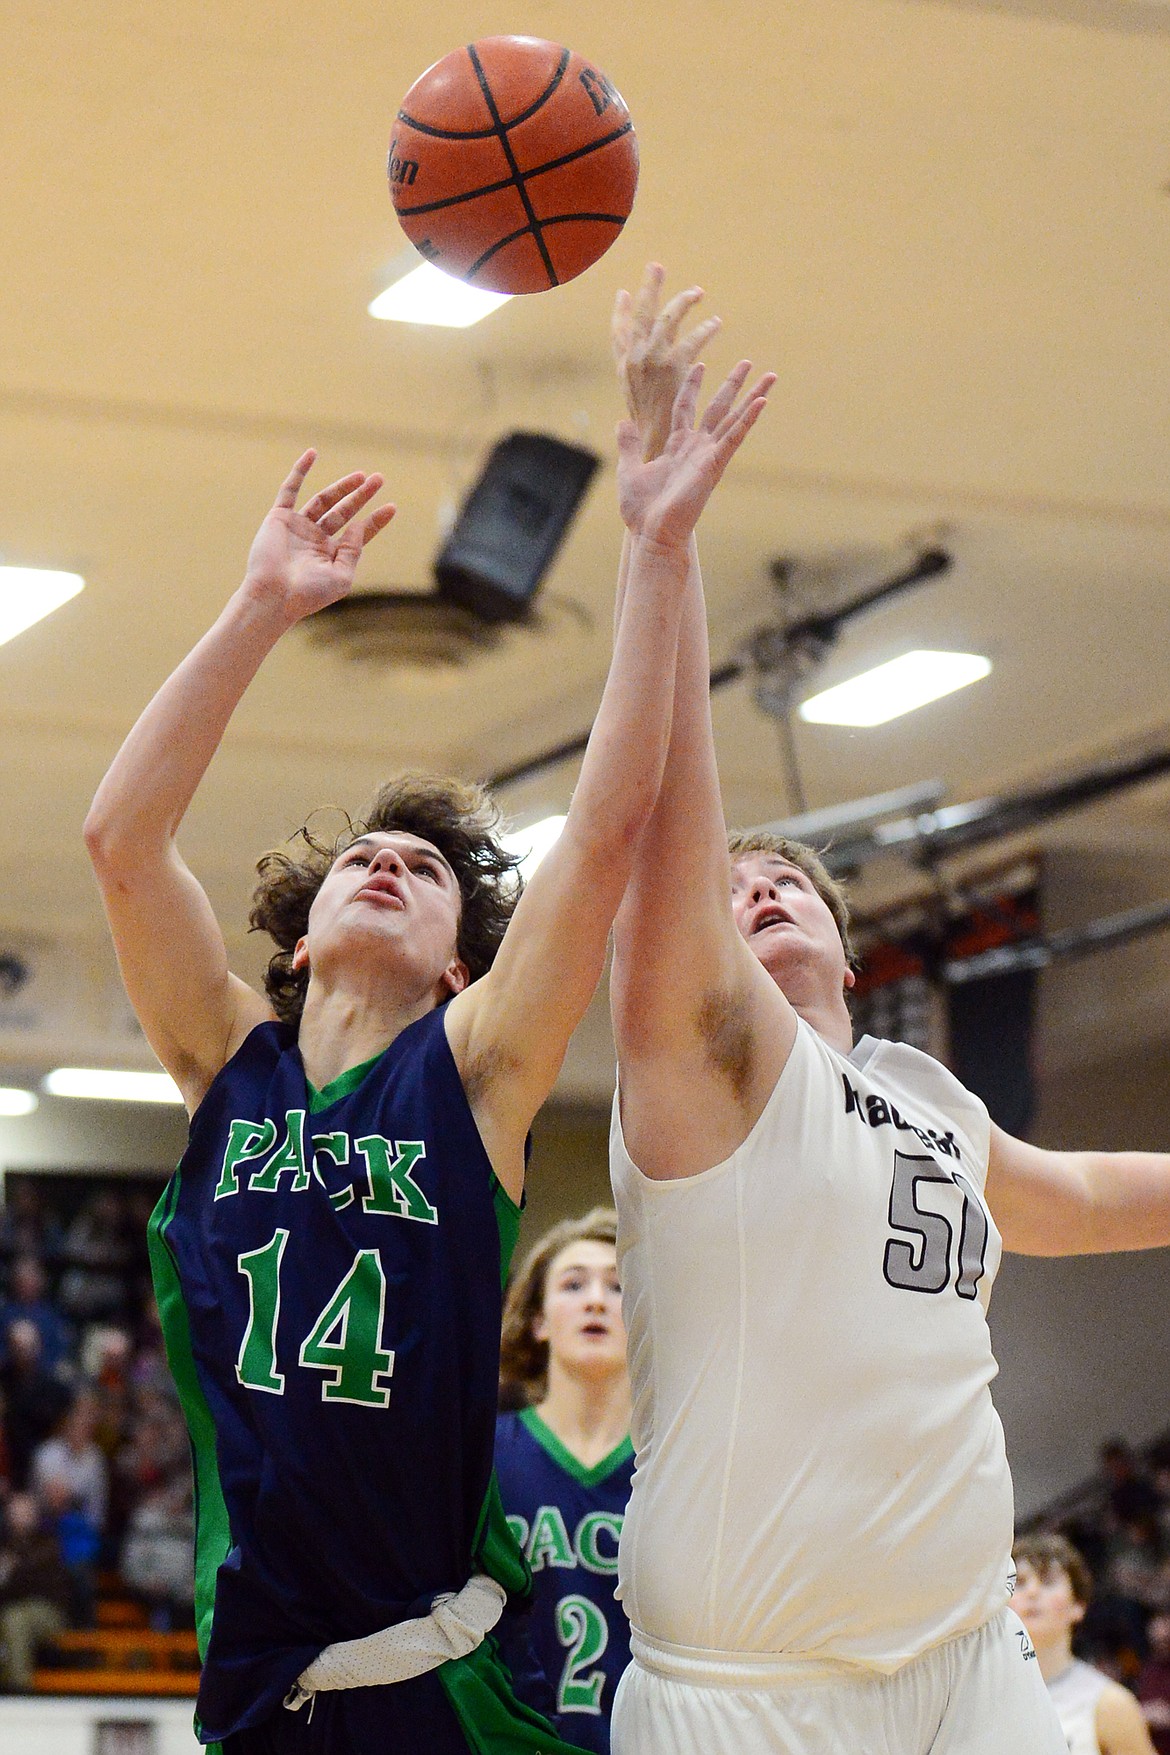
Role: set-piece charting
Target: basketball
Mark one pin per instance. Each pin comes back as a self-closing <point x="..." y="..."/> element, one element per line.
<point x="513" y="164"/>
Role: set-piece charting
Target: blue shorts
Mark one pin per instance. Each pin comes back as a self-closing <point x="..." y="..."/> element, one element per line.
<point x="413" y="1716"/>
<point x="474" y="1704"/>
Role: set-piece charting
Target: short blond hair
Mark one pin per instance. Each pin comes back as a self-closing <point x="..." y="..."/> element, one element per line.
<point x="807" y="860"/>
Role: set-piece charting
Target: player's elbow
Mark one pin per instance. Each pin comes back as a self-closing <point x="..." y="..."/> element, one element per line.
<point x="107" y="841"/>
<point x="121" y="839"/>
<point x="100" y="838"/>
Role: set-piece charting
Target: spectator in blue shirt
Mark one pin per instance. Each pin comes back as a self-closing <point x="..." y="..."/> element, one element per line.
<point x="26" y="1302"/>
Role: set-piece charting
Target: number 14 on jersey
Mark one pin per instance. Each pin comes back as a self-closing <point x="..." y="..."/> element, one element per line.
<point x="345" y="1342"/>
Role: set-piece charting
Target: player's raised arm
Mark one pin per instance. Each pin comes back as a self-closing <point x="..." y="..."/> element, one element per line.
<point x="1077" y="1203"/>
<point x="690" y="1002"/>
<point x="169" y="944"/>
<point x="517" y="1020"/>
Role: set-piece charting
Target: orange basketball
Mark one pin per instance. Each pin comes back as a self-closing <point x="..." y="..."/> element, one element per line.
<point x="513" y="164"/>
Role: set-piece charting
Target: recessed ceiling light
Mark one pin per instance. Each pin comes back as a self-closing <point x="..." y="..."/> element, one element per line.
<point x="533" y="843"/>
<point x="27" y="594"/>
<point x="16" y="1102"/>
<point x="897" y="687"/>
<point x="427" y="295"/>
<point x="102" y="1084"/>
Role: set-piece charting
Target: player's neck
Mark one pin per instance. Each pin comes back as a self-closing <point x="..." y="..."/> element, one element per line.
<point x="342" y="1027"/>
<point x="1054" y="1656"/>
<point x="826" y="1013"/>
<point x="590" y="1415"/>
<point x="816" y="996"/>
<point x="832" y="1024"/>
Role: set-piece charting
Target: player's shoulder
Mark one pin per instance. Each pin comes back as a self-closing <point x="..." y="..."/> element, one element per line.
<point x="247" y="1068"/>
<point x="519" y="1459"/>
<point x="1119" y="1715"/>
<point x="879" y="1057"/>
<point x="509" y="1426"/>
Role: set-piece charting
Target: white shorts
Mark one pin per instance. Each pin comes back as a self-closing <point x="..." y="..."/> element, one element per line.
<point x="979" y="1694"/>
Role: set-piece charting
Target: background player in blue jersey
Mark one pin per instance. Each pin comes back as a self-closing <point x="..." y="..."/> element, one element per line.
<point x="564" y="1462"/>
<point x="329" y="1254"/>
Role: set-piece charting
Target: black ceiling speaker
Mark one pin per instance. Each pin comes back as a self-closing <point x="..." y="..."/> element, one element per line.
<point x="512" y="523"/>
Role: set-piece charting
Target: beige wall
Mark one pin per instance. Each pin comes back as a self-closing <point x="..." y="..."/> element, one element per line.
<point x="1084" y="1343"/>
<point x="569" y="1171"/>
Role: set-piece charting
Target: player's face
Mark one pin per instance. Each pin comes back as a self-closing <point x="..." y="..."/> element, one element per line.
<point x="785" y="920"/>
<point x="582" y="1315"/>
<point x="1045" y="1603"/>
<point x="392" y="902"/>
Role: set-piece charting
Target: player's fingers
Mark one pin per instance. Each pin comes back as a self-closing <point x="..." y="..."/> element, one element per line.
<point x="671" y="316"/>
<point x="762" y="386"/>
<point x="646" y="302"/>
<point x="696" y="341"/>
<point x="343" y="511"/>
<point x="291" y="486"/>
<point x="685" y="403"/>
<point x="376" y="522"/>
<point x="724" y="398"/>
<point x="741" y="425"/>
<point x="758" y="393"/>
<point x="621" y="325"/>
<point x="328" y="497"/>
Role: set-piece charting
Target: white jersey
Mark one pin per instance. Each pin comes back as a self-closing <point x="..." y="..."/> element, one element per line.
<point x="1075" y="1693"/>
<point x="820" y="1473"/>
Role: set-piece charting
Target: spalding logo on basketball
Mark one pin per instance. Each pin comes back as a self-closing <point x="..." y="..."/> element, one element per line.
<point x="513" y="164"/>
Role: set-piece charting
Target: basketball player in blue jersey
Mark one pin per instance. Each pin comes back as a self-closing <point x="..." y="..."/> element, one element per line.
<point x="330" y="1253"/>
<point x="816" y="1554"/>
<point x="564" y="1461"/>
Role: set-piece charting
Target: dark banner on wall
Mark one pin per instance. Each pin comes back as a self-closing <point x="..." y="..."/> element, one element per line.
<point x="981" y="1028"/>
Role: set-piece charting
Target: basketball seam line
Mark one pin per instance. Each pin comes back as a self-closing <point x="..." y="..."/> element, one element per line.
<point x="533" y="222"/>
<point x="558" y="219"/>
<point x="554" y="164"/>
<point x="486" y="133"/>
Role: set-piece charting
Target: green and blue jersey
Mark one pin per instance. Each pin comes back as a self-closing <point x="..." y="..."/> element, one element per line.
<point x="567" y="1519"/>
<point x="329" y="1271"/>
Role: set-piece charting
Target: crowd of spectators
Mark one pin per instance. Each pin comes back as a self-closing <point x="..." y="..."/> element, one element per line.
<point x="95" y="1477"/>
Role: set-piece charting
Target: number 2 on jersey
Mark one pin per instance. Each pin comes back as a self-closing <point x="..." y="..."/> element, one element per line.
<point x="582" y="1629"/>
<point x="919" y="1259"/>
<point x="345" y="1342"/>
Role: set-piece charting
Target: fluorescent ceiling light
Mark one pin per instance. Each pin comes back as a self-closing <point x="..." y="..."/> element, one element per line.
<point x="14" y="1102"/>
<point x="102" y="1084"/>
<point x="895" y="688"/>
<point x="533" y="843"/>
<point x="29" y="593"/>
<point x="427" y="295"/>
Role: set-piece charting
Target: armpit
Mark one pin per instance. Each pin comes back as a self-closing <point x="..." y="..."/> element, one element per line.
<point x="481" y="1070"/>
<point x="726" y="1032"/>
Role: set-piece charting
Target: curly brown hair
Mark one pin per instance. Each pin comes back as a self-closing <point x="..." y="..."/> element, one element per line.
<point x="461" y="820"/>
<point x="524" y="1359"/>
<point x="807" y="860"/>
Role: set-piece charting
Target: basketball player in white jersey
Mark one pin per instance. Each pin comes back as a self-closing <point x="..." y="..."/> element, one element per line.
<point x="816" y="1558"/>
<point x="1097" y="1715"/>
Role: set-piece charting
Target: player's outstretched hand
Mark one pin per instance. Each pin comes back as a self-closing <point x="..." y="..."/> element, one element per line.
<point x="307" y="559"/>
<point x="661" y="499"/>
<point x="652" y="357"/>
